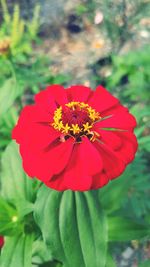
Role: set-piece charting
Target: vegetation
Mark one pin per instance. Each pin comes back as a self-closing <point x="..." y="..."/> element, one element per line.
<point x="24" y="71"/>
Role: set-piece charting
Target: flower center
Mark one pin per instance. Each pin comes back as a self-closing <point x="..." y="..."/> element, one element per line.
<point x="76" y="119"/>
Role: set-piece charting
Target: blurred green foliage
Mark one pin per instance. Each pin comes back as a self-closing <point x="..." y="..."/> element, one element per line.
<point x="131" y="74"/>
<point x="121" y="18"/>
<point x="18" y="31"/>
<point x="23" y="70"/>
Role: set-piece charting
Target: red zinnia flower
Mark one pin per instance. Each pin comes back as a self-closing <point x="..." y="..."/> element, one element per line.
<point x="76" y="138"/>
<point x="1" y="241"/>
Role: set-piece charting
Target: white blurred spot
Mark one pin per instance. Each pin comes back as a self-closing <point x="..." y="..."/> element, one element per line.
<point x="144" y="34"/>
<point x="98" y="17"/>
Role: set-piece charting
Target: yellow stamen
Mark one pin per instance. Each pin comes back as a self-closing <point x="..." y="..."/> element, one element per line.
<point x="94" y="115"/>
<point x="83" y="105"/>
<point x="60" y="125"/>
<point x="72" y="104"/>
<point x="94" y="136"/>
<point x="66" y="128"/>
<point x="75" y="128"/>
<point x="87" y="127"/>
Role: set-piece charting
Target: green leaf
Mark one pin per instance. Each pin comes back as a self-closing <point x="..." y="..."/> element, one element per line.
<point x="113" y="194"/>
<point x="122" y="229"/>
<point x="73" y="225"/>
<point x="41" y="253"/>
<point x="81" y="9"/>
<point x="144" y="142"/>
<point x="110" y="261"/>
<point x="8" y="218"/>
<point x="145" y="264"/>
<point x="53" y="264"/>
<point x="7" y="122"/>
<point x="60" y="79"/>
<point x="15" y="184"/>
<point x="23" y="207"/>
<point x="8" y="93"/>
<point x="17" y="251"/>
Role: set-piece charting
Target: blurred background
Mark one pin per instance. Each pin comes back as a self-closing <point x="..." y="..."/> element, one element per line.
<point x="89" y="42"/>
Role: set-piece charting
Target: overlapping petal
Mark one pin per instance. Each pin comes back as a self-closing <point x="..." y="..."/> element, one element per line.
<point x="51" y="97"/>
<point x="113" y="166"/>
<point x="120" y="120"/>
<point x="81" y="167"/>
<point x="81" y="161"/>
<point x="102" y="99"/>
<point x="48" y="162"/>
<point x="33" y="128"/>
<point x="78" y="93"/>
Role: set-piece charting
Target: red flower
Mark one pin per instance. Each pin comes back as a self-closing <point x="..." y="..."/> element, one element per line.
<point x="1" y="241"/>
<point x="76" y="138"/>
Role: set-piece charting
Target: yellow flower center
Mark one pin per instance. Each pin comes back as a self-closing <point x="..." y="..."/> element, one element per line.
<point x="76" y="119"/>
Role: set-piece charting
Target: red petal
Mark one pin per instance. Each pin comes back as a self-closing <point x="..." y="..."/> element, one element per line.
<point x="59" y="94"/>
<point x="46" y="100"/>
<point x="38" y="137"/>
<point x="113" y="165"/>
<point x="1" y="241"/>
<point x="99" y="180"/>
<point x="57" y="183"/>
<point x="110" y="138"/>
<point x="58" y="156"/>
<point x="51" y="97"/>
<point x="102" y="99"/>
<point x="34" y="128"/>
<point x="121" y="120"/>
<point x="49" y="162"/>
<point x="130" y="137"/>
<point x="90" y="156"/>
<point x="113" y="110"/>
<point x="129" y="146"/>
<point x="85" y="161"/>
<point x="78" y="93"/>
